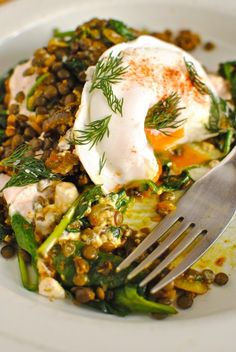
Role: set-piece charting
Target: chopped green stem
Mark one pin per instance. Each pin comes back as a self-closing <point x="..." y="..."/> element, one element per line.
<point x="58" y="34"/>
<point x="59" y="229"/>
<point x="228" y="141"/>
<point x="24" y="273"/>
<point x="34" y="87"/>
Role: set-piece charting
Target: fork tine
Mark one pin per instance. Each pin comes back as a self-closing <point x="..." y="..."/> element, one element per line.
<point x="174" y="254"/>
<point x="188" y="261"/>
<point x="160" y="229"/>
<point x="160" y="249"/>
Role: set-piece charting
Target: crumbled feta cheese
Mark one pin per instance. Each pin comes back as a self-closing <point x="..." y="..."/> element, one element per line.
<point x="51" y="288"/>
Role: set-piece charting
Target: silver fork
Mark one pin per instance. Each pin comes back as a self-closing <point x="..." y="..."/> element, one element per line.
<point x="203" y="212"/>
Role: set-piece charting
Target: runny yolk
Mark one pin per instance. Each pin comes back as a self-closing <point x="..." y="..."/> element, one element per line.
<point x="161" y="142"/>
<point x="189" y="156"/>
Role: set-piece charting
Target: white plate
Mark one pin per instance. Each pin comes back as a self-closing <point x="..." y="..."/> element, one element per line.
<point x="29" y="322"/>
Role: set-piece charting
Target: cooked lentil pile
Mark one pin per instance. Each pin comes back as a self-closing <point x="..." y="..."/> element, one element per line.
<point x="77" y="235"/>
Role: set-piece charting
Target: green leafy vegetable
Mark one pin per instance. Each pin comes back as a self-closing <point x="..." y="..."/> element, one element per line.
<point x="29" y="283"/>
<point x="109" y="71"/>
<point x="172" y="183"/>
<point x="128" y="297"/>
<point x="98" y="273"/>
<point x="195" y="79"/>
<point x="58" y="34"/>
<point x="122" y="29"/>
<point x="75" y="65"/>
<point x="37" y="83"/>
<point x="25" y="239"/>
<point x="24" y="235"/>
<point x="164" y="114"/>
<point x="27" y="169"/>
<point x="120" y="200"/>
<point x="215" y="114"/>
<point x="228" y="71"/>
<point x="93" y="132"/>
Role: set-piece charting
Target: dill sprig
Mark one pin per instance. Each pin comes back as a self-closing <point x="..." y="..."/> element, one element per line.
<point x="26" y="169"/>
<point x="164" y="114"/>
<point x="93" y="132"/>
<point x="195" y="79"/>
<point x="14" y="160"/>
<point x="109" y="71"/>
<point x="102" y="162"/>
<point x="115" y="104"/>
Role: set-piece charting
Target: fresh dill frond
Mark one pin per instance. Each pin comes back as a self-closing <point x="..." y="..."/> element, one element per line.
<point x="27" y="169"/>
<point x="215" y="114"/>
<point x="164" y="114"/>
<point x="102" y="162"/>
<point x="115" y="104"/>
<point x="109" y="71"/>
<point x="195" y="79"/>
<point x="93" y="132"/>
<point x="15" y="158"/>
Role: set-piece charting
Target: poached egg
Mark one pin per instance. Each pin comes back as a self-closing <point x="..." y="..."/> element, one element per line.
<point x="154" y="70"/>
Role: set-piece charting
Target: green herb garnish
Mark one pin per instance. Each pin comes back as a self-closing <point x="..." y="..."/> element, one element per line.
<point x="228" y="71"/>
<point x="102" y="162"/>
<point x="27" y="169"/>
<point x="58" y="34"/>
<point x="93" y="132"/>
<point x="37" y="83"/>
<point x="164" y="114"/>
<point x="122" y="29"/>
<point x="109" y="71"/>
<point x="195" y="79"/>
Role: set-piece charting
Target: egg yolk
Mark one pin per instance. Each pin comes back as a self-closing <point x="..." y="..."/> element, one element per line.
<point x="161" y="142"/>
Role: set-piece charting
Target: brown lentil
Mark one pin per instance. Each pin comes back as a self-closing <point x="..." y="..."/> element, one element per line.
<point x="221" y="279"/>
<point x="63" y="87"/>
<point x="84" y="295"/>
<point x="89" y="252"/>
<point x="81" y="265"/>
<point x="80" y="279"/>
<point x="70" y="98"/>
<point x="8" y="251"/>
<point x="16" y="141"/>
<point x="184" y="301"/>
<point x="63" y="74"/>
<point x="20" y="97"/>
<point x="165" y="207"/>
<point x="170" y="196"/>
<point x="100" y="293"/>
<point x="108" y="247"/>
<point x="118" y="218"/>
<point x="208" y="46"/>
<point x="50" y="92"/>
<point x="22" y="118"/>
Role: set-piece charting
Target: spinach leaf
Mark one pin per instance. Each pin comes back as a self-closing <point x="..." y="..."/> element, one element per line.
<point x="128" y="297"/>
<point x="28" y="282"/>
<point x="173" y="183"/>
<point x="97" y="274"/>
<point x="122" y="29"/>
<point x="228" y="71"/>
<point x="75" y="65"/>
<point x="120" y="200"/>
<point x="24" y="235"/>
<point x="127" y="300"/>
